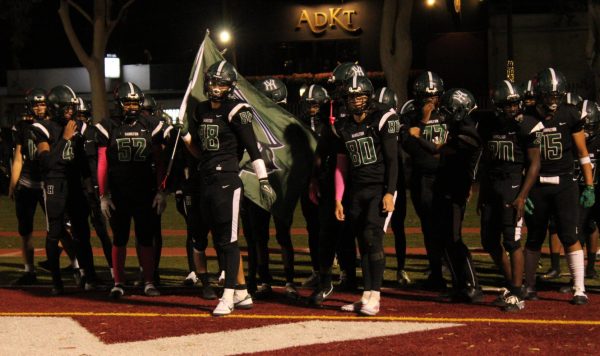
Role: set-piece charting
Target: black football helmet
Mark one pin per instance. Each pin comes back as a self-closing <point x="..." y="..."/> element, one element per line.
<point x="346" y="71"/>
<point x="129" y="93"/>
<point x="273" y="89"/>
<point x="149" y="104"/>
<point x="221" y="73"/>
<point x="35" y="97"/>
<point x="427" y="85"/>
<point x="456" y="104"/>
<point x="61" y="98"/>
<point x="315" y="95"/>
<point x="407" y="107"/>
<point x="387" y="97"/>
<point x="353" y="90"/>
<point x="506" y="95"/>
<point x="83" y="108"/>
<point x="572" y="99"/>
<point x="550" y="87"/>
<point x="591" y="114"/>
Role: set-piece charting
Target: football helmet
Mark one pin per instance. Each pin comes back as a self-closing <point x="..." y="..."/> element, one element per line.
<point x="345" y="71"/>
<point x="550" y="87"/>
<point x="35" y="97"/>
<point x="273" y="89"/>
<point x="357" y="93"/>
<point x="386" y="96"/>
<point x="591" y="114"/>
<point x="456" y="104"/>
<point x="427" y="85"/>
<point x="572" y="99"/>
<point x="61" y="99"/>
<point x="219" y="75"/>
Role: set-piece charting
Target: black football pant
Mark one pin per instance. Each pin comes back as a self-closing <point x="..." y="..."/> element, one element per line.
<point x="368" y="222"/>
<point x="26" y="201"/>
<point x="65" y="197"/>
<point x="499" y="227"/>
<point x="310" y="211"/>
<point x="449" y="212"/>
<point x="560" y="201"/>
<point x="421" y="194"/>
<point x="397" y="222"/>
<point x="99" y="223"/>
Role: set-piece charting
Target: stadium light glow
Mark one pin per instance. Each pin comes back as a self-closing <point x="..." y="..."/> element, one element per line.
<point x="225" y="37"/>
<point x="112" y="66"/>
<point x="430" y="3"/>
<point x="303" y="89"/>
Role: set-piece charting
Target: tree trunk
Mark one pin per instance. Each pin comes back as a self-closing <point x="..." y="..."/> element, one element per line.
<point x="99" y="99"/>
<point x="395" y="48"/>
<point x="593" y="45"/>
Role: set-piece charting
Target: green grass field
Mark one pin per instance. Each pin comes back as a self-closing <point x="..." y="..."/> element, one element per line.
<point x="174" y="269"/>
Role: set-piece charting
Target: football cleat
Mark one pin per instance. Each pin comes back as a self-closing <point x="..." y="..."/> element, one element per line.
<point x="243" y="303"/>
<point x="579" y="298"/>
<point x="513" y="303"/>
<point x="150" y="290"/>
<point x="312" y="281"/>
<point x="26" y="278"/>
<point x="354" y="307"/>
<point x="291" y="292"/>
<point x="402" y="278"/>
<point x="550" y="275"/>
<point x="369" y="309"/>
<point x="117" y="291"/>
<point x="500" y="301"/>
<point x="224" y="307"/>
<point x="57" y="290"/>
<point x="191" y="279"/>
<point x="531" y="294"/>
<point x="318" y="296"/>
<point x="263" y="291"/>
<point x="208" y="292"/>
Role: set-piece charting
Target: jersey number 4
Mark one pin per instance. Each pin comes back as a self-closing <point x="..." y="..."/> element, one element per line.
<point x="361" y="151"/>
<point x="125" y="146"/>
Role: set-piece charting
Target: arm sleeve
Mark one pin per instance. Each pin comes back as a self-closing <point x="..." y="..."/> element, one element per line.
<point x="340" y="173"/>
<point x="389" y="146"/>
<point x="241" y="124"/>
<point x="102" y="171"/>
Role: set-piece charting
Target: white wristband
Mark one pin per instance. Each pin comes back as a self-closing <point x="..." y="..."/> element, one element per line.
<point x="259" y="168"/>
<point x="585" y="160"/>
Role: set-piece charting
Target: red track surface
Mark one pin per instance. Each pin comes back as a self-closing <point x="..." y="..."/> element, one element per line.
<point x="522" y="332"/>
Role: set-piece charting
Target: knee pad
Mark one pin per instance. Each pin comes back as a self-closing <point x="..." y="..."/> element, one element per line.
<point x="200" y="244"/>
<point x="511" y="245"/>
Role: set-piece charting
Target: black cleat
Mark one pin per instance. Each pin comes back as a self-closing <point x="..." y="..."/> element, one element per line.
<point x="319" y="295"/>
<point x="291" y="292"/>
<point x="116" y="292"/>
<point x="27" y="278"/>
<point x="435" y="284"/>
<point x="513" y="303"/>
<point x="580" y="299"/>
<point x="531" y="294"/>
<point x="208" y="292"/>
<point x="500" y="301"/>
<point x="263" y="291"/>
<point x="57" y="290"/>
<point x="550" y="275"/>
<point x="468" y="295"/>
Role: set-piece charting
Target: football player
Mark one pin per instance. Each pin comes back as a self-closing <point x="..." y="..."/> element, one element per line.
<point x="26" y="181"/>
<point x="511" y="147"/>
<point x="216" y="133"/>
<point x="556" y="193"/>
<point x="428" y="132"/>
<point x="389" y="99"/>
<point x="60" y="150"/>
<point x="130" y="170"/>
<point x="370" y="140"/>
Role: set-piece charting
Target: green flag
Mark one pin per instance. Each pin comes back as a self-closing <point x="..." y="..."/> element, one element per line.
<point x="286" y="146"/>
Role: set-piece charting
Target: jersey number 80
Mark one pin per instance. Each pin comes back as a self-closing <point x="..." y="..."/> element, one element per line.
<point x="361" y="151"/>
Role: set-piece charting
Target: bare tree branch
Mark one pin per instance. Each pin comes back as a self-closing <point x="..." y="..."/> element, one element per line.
<point x="113" y="23"/>
<point x="65" y="17"/>
<point x="81" y="10"/>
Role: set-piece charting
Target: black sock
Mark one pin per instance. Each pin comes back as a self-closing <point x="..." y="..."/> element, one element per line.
<point x="591" y="261"/>
<point x="325" y="279"/>
<point x="203" y="278"/>
<point x="377" y="268"/>
<point x="555" y="261"/>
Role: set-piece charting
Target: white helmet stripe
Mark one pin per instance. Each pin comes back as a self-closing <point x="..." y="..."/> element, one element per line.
<point x="131" y="89"/>
<point x="430" y="84"/>
<point x="310" y="90"/>
<point x="220" y="68"/>
<point x="355" y="81"/>
<point x="584" y="109"/>
<point x="71" y="90"/>
<point x="529" y="85"/>
<point x="381" y="94"/>
<point x="510" y="87"/>
<point x="554" y="81"/>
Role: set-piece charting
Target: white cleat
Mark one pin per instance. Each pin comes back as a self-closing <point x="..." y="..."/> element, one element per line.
<point x="370" y="309"/>
<point x="224" y="307"/>
<point x="243" y="303"/>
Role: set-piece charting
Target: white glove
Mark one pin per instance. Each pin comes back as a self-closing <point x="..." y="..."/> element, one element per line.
<point x="160" y="202"/>
<point x="106" y="205"/>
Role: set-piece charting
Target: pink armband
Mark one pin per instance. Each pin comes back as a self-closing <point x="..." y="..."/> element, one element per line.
<point x="102" y="170"/>
<point x="340" y="172"/>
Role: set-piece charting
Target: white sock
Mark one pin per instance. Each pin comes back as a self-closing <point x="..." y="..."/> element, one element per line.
<point x="29" y="268"/>
<point x="240" y="294"/>
<point x="576" y="267"/>
<point x="112" y="273"/>
<point x="228" y="294"/>
<point x="74" y="263"/>
<point x="82" y="272"/>
<point x="365" y="297"/>
<point x="375" y="297"/>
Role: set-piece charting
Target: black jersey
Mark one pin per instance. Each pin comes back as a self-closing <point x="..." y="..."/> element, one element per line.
<point x="315" y="124"/>
<point x="130" y="152"/>
<point x="372" y="148"/>
<point x="423" y="149"/>
<point x="30" y="172"/>
<point x="556" y="146"/>
<point x="593" y="146"/>
<point x="66" y="158"/>
<point x="222" y="135"/>
<point x="506" y="142"/>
